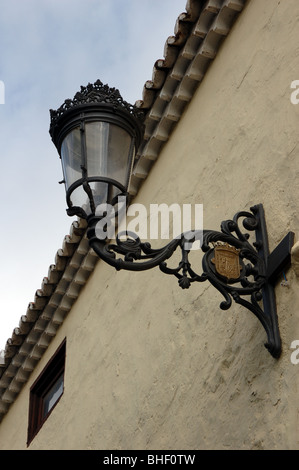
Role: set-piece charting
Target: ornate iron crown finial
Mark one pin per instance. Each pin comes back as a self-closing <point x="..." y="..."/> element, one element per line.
<point x="94" y="93"/>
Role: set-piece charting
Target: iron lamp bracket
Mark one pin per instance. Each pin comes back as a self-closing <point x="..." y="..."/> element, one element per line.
<point x="241" y="271"/>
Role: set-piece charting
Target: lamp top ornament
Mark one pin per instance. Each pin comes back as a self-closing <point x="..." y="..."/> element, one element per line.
<point x="93" y="95"/>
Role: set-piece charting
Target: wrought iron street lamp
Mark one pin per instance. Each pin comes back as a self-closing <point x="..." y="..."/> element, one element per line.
<point x="96" y="135"/>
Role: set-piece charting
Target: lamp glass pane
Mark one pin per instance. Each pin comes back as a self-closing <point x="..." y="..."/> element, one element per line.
<point x="97" y="144"/>
<point x="71" y="157"/>
<point x="108" y="151"/>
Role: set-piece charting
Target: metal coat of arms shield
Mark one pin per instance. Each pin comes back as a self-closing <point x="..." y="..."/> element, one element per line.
<point x="227" y="261"/>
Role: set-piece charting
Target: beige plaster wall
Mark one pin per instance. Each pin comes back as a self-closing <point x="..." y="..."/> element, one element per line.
<point x="150" y="366"/>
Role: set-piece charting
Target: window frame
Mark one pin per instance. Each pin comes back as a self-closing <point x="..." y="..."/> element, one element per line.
<point x="40" y="388"/>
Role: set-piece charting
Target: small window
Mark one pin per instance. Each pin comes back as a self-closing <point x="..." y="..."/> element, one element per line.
<point x="46" y="392"/>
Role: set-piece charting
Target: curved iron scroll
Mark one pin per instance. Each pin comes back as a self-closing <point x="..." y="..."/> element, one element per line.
<point x="235" y="267"/>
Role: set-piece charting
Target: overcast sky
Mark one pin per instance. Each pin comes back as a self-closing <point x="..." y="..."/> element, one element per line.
<point x="49" y="48"/>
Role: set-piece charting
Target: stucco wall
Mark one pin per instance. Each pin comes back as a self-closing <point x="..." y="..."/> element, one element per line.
<point x="152" y="366"/>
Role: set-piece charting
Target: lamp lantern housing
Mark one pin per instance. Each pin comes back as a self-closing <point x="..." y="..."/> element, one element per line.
<point x="97" y="135"/>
